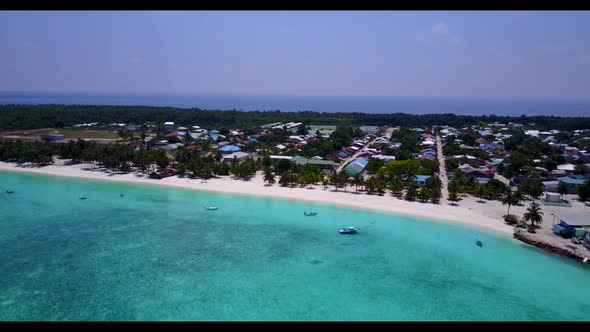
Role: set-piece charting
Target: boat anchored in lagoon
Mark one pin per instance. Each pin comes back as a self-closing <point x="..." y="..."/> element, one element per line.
<point x="349" y="230"/>
<point x="309" y="214"/>
<point x="211" y="208"/>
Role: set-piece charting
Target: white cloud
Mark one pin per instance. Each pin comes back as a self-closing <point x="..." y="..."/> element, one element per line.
<point x="440" y="29"/>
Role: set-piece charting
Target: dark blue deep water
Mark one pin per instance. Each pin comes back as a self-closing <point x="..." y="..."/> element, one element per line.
<point x="411" y="105"/>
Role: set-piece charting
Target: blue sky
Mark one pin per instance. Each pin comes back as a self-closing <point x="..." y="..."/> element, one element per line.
<point x="505" y="55"/>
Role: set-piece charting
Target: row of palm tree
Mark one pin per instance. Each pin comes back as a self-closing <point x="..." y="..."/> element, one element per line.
<point x="39" y="153"/>
<point x="399" y="186"/>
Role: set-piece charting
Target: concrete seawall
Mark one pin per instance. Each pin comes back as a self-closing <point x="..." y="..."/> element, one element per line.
<point x="523" y="236"/>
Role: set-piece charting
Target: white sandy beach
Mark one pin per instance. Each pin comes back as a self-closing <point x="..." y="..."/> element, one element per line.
<point x="486" y="216"/>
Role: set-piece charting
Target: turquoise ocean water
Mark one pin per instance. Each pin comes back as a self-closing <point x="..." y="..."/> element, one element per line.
<point x="157" y="254"/>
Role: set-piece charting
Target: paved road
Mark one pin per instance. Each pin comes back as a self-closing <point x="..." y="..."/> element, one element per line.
<point x="442" y="169"/>
<point x="497" y="176"/>
<point x="354" y="156"/>
<point x="389" y="132"/>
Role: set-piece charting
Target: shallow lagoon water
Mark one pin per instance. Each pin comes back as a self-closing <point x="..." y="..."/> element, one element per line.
<point x="157" y="254"/>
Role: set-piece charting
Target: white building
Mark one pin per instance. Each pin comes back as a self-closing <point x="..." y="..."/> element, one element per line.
<point x="386" y="159"/>
<point x="370" y="129"/>
<point x="239" y="156"/>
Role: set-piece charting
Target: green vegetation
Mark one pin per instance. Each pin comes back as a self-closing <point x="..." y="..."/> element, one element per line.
<point x="524" y="151"/>
<point x="374" y="165"/>
<point x="562" y="189"/>
<point x="584" y="191"/>
<point x="269" y="176"/>
<point x="410" y="140"/>
<point x="453" y="194"/>
<point x="511" y="219"/>
<point x="512" y="197"/>
<point x="59" y="116"/>
<point x="75" y="133"/>
<point x="244" y="169"/>
<point x="532" y="189"/>
<point x="534" y="215"/>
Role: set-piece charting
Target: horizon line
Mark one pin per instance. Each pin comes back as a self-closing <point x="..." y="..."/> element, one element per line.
<point x="251" y="95"/>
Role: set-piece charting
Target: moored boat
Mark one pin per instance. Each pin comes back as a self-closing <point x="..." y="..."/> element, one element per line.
<point x="349" y="230"/>
<point x="211" y="208"/>
<point x="309" y="213"/>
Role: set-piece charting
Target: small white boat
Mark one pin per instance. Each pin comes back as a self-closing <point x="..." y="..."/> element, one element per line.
<point x="211" y="208"/>
<point x="349" y="230"/>
<point x="309" y="213"/>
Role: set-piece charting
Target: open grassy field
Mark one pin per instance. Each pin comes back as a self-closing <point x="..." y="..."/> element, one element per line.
<point x="75" y="133"/>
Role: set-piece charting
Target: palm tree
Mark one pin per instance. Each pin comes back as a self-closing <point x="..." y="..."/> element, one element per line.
<point x="562" y="189"/>
<point x="412" y="191"/>
<point x="361" y="182"/>
<point x="334" y="180"/>
<point x="536" y="191"/>
<point x="269" y="176"/>
<point x="409" y="176"/>
<point x="512" y="198"/>
<point x="424" y="194"/>
<point x="370" y="185"/>
<point x="433" y="182"/>
<point x="343" y="179"/>
<point x="435" y="195"/>
<point x="534" y="215"/>
<point x="380" y="186"/>
<point x="480" y="192"/>
<point x="453" y="196"/>
<point x="525" y="187"/>
<point x="396" y="186"/>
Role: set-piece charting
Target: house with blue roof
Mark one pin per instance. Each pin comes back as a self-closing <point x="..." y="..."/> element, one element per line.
<point x="342" y="155"/>
<point x="429" y="152"/>
<point x="356" y="167"/>
<point x="229" y="149"/>
<point x="572" y="184"/>
<point x="571" y="226"/>
<point x="491" y="146"/>
<point x="421" y="179"/>
<point x="497" y="161"/>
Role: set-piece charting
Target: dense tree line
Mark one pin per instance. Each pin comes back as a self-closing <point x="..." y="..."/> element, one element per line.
<point x="58" y="116"/>
<point x="410" y="140"/>
<point x="524" y="151"/>
<point x="116" y="157"/>
<point x="399" y="179"/>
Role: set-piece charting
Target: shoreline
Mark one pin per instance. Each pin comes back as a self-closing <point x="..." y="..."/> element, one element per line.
<point x="453" y="215"/>
<point x="550" y="248"/>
